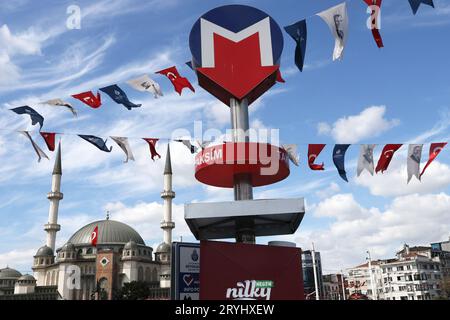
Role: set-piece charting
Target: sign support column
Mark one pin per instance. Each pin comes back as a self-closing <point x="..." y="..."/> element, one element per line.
<point x="242" y="184"/>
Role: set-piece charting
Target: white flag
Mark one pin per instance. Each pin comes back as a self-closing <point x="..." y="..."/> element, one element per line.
<point x="122" y="142"/>
<point x="203" y="144"/>
<point x="413" y="162"/>
<point x="291" y="150"/>
<point x="41" y="154"/>
<point x="145" y="84"/>
<point x="365" y="160"/>
<point x="193" y="149"/>
<point x="61" y="103"/>
<point x="337" y="20"/>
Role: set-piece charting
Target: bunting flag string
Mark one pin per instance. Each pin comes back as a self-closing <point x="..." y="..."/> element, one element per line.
<point x="299" y="32"/>
<point x="122" y="142"/>
<point x="41" y="154"/>
<point x="337" y="20"/>
<point x="146" y="84"/>
<point x="375" y="5"/>
<point x="413" y="161"/>
<point x="365" y="159"/>
<point x="61" y="103"/>
<point x="313" y="152"/>
<point x="435" y="149"/>
<point x="152" y="145"/>
<point x="386" y="156"/>
<point x="49" y="138"/>
<point x="179" y="82"/>
<point x="415" y="4"/>
<point x="96" y="141"/>
<point x="89" y="99"/>
<point x="119" y="96"/>
<point x="34" y="115"/>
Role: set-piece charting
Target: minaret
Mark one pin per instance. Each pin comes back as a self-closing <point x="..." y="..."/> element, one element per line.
<point x="167" y="224"/>
<point x="54" y="196"/>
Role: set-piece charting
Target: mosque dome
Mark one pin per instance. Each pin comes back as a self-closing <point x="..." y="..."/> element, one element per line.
<point x="44" y="252"/>
<point x="163" y="248"/>
<point x="68" y="247"/>
<point x="8" y="273"/>
<point x="27" y="277"/>
<point x="109" y="232"/>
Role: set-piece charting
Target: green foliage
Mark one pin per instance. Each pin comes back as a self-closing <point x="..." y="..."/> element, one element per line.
<point x="135" y="290"/>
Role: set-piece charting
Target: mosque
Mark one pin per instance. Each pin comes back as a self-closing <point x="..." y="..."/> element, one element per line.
<point x="84" y="270"/>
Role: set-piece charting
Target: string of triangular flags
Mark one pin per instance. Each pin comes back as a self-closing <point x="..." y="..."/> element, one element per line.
<point x="365" y="159"/>
<point x="335" y="17"/>
<point x="337" y="20"/>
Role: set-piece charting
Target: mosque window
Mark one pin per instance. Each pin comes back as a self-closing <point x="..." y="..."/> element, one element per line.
<point x="42" y="261"/>
<point x="89" y="251"/>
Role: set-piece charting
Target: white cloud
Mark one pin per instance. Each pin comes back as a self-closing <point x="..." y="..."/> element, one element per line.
<point x="414" y="219"/>
<point x="20" y="259"/>
<point x="332" y="189"/>
<point x="393" y="182"/>
<point x="371" y="122"/>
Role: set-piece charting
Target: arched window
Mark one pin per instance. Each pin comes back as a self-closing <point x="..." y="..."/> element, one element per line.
<point x="53" y="282"/>
<point x="148" y="275"/>
<point x="154" y="275"/>
<point x="140" y="274"/>
<point x="89" y="251"/>
<point x="133" y="253"/>
<point x="42" y="261"/>
<point x="47" y="281"/>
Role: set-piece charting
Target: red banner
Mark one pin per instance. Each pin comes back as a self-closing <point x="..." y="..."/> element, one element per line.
<point x="235" y="271"/>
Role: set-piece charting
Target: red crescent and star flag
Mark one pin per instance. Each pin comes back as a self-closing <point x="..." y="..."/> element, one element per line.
<point x="386" y="156"/>
<point x="179" y="82"/>
<point x="435" y="149"/>
<point x="49" y="138"/>
<point x="313" y="151"/>
<point x="89" y="98"/>
<point x="375" y="5"/>
<point x="152" y="145"/>
<point x="94" y="236"/>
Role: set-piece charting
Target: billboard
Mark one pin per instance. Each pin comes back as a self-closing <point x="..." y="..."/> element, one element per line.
<point x="185" y="271"/>
<point x="236" y="271"/>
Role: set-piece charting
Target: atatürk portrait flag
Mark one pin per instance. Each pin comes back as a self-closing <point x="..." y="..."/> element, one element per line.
<point x="435" y="149"/>
<point x="365" y="160"/>
<point x="119" y="96"/>
<point x="179" y="82"/>
<point x="339" y="159"/>
<point x="298" y="31"/>
<point x="313" y="152"/>
<point x="386" y="156"/>
<point x="413" y="161"/>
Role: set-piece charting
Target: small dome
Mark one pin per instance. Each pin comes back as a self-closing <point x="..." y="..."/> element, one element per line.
<point x="130" y="245"/>
<point x="163" y="248"/>
<point x="68" y="247"/>
<point x="8" y="273"/>
<point x="27" y="277"/>
<point x="44" y="252"/>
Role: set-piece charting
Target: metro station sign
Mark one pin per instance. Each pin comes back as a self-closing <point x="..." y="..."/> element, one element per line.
<point x="236" y="51"/>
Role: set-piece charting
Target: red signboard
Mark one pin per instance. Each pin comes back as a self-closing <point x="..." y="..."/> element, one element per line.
<point x="265" y="163"/>
<point x="236" y="271"/>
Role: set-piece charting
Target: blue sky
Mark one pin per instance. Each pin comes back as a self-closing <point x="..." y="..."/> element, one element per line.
<point x="399" y="94"/>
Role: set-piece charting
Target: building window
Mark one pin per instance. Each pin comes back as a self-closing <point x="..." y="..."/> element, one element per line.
<point x="89" y="251"/>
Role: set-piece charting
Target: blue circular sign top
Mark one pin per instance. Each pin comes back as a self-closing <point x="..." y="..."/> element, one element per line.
<point x="235" y="22"/>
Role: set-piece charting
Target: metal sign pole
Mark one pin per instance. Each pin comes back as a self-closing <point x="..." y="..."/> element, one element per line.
<point x="243" y="189"/>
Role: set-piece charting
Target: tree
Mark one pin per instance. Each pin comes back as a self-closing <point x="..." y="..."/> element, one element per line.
<point x="135" y="290"/>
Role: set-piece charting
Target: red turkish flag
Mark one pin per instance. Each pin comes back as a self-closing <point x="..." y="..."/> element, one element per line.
<point x="313" y="151"/>
<point x="94" y="236"/>
<point x="279" y="77"/>
<point x="435" y="149"/>
<point x="386" y="156"/>
<point x="178" y="81"/>
<point x="49" y="138"/>
<point x="375" y="5"/>
<point x="152" y="144"/>
<point x="89" y="99"/>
